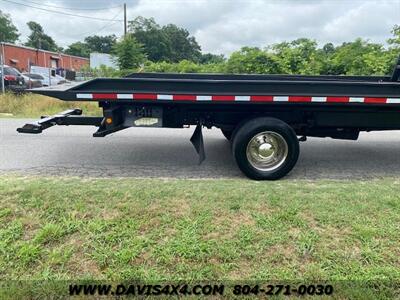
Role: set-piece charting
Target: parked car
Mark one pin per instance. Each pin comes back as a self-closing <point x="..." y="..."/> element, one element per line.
<point x="13" y="79"/>
<point x="33" y="80"/>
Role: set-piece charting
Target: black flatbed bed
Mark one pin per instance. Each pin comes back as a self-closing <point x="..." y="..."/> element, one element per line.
<point x="234" y="85"/>
<point x="264" y="112"/>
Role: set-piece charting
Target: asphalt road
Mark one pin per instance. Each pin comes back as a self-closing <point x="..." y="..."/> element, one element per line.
<point x="152" y="152"/>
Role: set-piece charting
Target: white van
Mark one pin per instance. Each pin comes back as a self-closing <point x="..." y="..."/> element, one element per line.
<point x="49" y="75"/>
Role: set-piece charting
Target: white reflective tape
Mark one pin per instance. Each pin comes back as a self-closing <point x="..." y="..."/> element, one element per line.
<point x="242" y="98"/>
<point x="84" y="96"/>
<point x="124" y="96"/>
<point x="281" y="98"/>
<point x="393" y="100"/>
<point x="164" y="97"/>
<point x="203" y="98"/>
<point x="318" y="99"/>
<point x="356" y="99"/>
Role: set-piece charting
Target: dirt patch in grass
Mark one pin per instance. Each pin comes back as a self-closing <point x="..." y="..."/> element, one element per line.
<point x="80" y="262"/>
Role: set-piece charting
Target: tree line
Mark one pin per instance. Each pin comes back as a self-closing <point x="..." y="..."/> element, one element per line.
<point x="151" y="47"/>
<point x="301" y="56"/>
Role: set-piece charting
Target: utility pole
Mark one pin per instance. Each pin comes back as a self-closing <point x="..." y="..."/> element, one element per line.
<point x="125" y="28"/>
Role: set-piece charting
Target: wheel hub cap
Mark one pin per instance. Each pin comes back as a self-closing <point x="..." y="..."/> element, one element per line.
<point x="267" y="151"/>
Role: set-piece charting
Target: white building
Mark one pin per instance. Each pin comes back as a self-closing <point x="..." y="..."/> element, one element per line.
<point x="98" y="59"/>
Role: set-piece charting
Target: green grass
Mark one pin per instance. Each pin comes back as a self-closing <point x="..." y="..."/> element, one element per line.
<point x="149" y="229"/>
<point x="33" y="106"/>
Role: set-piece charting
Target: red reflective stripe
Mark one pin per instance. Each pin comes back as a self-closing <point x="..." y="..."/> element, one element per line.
<point x="144" y="96"/>
<point x="223" y="98"/>
<point x="261" y="98"/>
<point x="104" y="96"/>
<point x="374" y="100"/>
<point x="299" y="99"/>
<point x="184" y="97"/>
<point x="338" y="99"/>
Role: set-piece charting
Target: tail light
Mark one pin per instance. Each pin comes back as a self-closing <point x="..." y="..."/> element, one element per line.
<point x="10" y="77"/>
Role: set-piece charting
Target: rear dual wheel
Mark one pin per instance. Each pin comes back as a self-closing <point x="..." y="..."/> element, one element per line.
<point x="265" y="148"/>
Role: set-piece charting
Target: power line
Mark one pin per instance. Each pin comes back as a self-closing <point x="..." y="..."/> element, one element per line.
<point x="62" y="13"/>
<point x="111" y="23"/>
<point x="72" y="8"/>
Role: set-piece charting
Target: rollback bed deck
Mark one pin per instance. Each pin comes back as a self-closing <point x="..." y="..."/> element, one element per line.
<point x="262" y="115"/>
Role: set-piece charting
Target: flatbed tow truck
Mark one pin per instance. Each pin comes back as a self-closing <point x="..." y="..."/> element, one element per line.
<point x="264" y="116"/>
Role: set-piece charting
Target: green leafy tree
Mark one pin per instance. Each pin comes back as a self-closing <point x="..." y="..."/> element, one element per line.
<point x="325" y="55"/>
<point x="101" y="44"/>
<point x="168" y="43"/>
<point x="181" y="46"/>
<point x="95" y="43"/>
<point x="253" y="60"/>
<point x="377" y="62"/>
<point x="149" y="34"/>
<point x="184" y="66"/>
<point x="8" y="32"/>
<point x="78" y="49"/>
<point x="129" y="53"/>
<point x="359" y="58"/>
<point x="393" y="52"/>
<point x="210" y="58"/>
<point x="395" y="41"/>
<point x="298" y="57"/>
<point x="38" y="39"/>
<point x="213" y="67"/>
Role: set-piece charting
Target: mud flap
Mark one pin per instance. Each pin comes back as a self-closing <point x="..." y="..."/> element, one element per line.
<point x="198" y="142"/>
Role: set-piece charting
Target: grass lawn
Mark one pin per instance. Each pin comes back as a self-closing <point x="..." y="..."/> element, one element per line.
<point x="149" y="229"/>
<point x="33" y="106"/>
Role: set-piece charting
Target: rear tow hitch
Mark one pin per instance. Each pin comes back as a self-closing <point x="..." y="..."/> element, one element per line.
<point x="46" y="122"/>
<point x="68" y="117"/>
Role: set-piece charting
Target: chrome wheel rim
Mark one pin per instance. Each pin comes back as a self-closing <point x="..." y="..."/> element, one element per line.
<point x="267" y="151"/>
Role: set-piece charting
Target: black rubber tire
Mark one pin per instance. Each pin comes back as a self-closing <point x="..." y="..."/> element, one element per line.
<point x="227" y="134"/>
<point x="248" y="130"/>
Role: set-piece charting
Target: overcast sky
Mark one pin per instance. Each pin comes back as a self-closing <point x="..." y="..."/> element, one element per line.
<point x="220" y="26"/>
